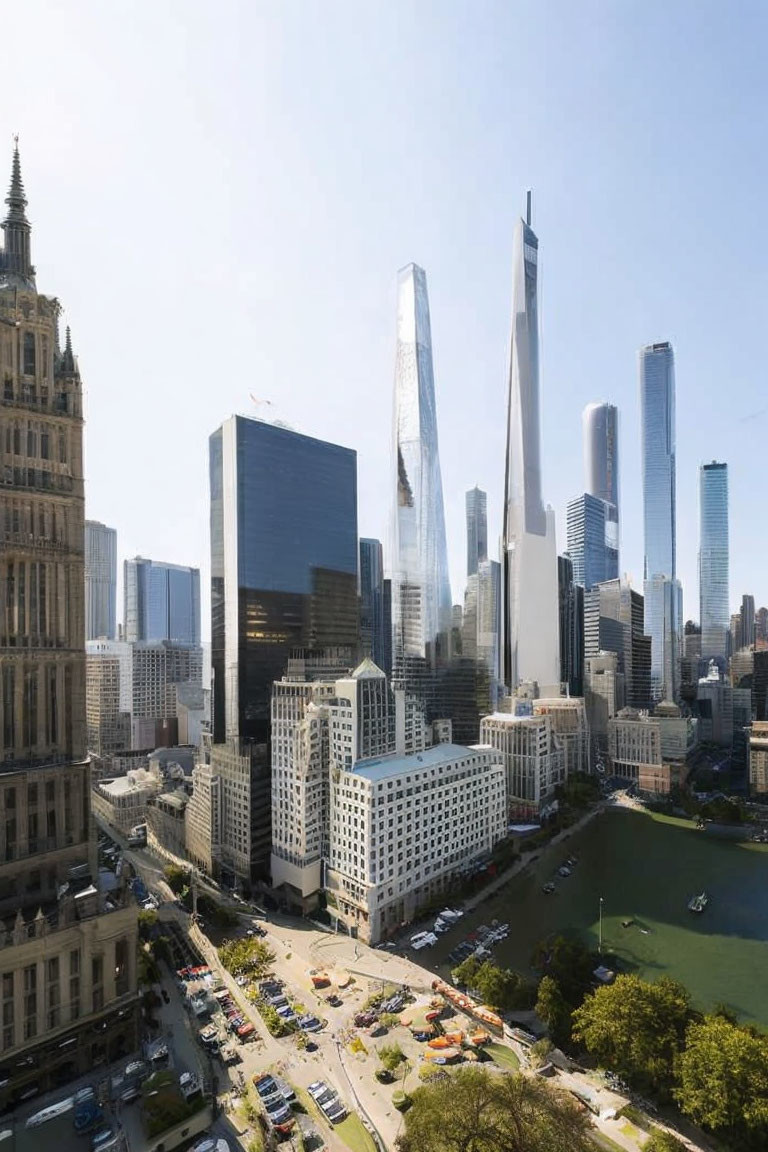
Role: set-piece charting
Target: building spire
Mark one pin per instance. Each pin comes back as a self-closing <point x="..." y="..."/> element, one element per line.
<point x="16" y="200"/>
<point x="16" y="258"/>
<point x="68" y="358"/>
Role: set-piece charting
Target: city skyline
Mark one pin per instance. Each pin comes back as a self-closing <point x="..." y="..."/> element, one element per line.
<point x="275" y="256"/>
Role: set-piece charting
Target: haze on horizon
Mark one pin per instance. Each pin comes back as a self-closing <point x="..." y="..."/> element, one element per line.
<point x="221" y="198"/>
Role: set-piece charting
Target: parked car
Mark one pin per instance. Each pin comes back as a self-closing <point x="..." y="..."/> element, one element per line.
<point x="265" y="1085"/>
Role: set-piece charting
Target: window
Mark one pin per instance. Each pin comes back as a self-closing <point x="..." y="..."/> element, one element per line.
<point x="29" y="353"/>
<point x="30" y="1001"/>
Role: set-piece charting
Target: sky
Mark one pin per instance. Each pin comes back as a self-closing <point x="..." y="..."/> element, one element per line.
<point x="221" y="195"/>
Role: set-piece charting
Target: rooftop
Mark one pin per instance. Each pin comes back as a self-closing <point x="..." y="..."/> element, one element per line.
<point x="439" y="756"/>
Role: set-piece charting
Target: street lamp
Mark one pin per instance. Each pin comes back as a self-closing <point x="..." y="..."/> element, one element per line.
<point x="600" y="938"/>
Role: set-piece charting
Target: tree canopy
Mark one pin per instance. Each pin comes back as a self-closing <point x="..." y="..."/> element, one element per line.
<point x="501" y="988"/>
<point x="246" y="957"/>
<point x="552" y="1008"/>
<point x="636" y="1028"/>
<point x="568" y="962"/>
<point x="723" y="1077"/>
<point x="478" y="1111"/>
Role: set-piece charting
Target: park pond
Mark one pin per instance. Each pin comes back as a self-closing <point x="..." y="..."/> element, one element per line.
<point x="646" y="867"/>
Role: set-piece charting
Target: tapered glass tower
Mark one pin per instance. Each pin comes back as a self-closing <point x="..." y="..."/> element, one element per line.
<point x="421" y="594"/>
<point x="531" y="644"/>
<point x="663" y="596"/>
<point x="713" y="561"/>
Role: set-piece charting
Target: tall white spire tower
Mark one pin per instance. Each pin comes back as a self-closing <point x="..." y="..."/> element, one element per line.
<point x="529" y="552"/>
<point x="421" y="593"/>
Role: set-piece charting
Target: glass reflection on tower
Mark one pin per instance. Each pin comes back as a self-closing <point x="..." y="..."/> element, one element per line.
<point x="283" y="563"/>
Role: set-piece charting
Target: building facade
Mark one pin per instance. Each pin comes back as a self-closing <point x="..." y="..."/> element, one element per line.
<point x="162" y="602"/>
<point x="758" y="759"/>
<point x="100" y="581"/>
<point x="591" y="541"/>
<point x="571" y="627"/>
<point x="67" y="963"/>
<point x="530" y="647"/>
<point x="634" y="748"/>
<point x="402" y="829"/>
<point x="534" y="759"/>
<point x="614" y="621"/>
<point x="663" y="598"/>
<point x="714" y="589"/>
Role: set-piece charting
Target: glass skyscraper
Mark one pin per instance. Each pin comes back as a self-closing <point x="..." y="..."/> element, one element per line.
<point x="531" y="649"/>
<point x="594" y="560"/>
<point x="100" y="581"/>
<point x="477" y="529"/>
<point x="713" y="561"/>
<point x="373" y="618"/>
<point x="421" y="593"/>
<point x="284" y="557"/>
<point x="663" y="594"/>
<point x="162" y="602"/>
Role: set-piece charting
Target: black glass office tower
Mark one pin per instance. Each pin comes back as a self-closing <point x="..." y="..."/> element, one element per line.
<point x="283" y="563"/>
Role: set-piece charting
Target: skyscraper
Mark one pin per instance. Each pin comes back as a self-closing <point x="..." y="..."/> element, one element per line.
<point x="589" y="532"/>
<point x="600" y="425"/>
<point x="747" y="621"/>
<point x="283" y="563"/>
<point x="713" y="561"/>
<point x="67" y="957"/>
<point x="162" y="602"/>
<point x="477" y="529"/>
<point x="372" y="614"/>
<point x="421" y="593"/>
<point x="663" y="595"/>
<point x="530" y="599"/>
<point x="284" y="556"/>
<point x="100" y="581"/>
<point x="614" y="621"/>
<point x="571" y="609"/>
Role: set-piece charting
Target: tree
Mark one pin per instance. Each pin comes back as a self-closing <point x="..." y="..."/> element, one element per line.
<point x="246" y="957"/>
<point x="391" y="1056"/>
<point x="467" y="971"/>
<point x="501" y="988"/>
<point x="568" y="962"/>
<point x="723" y="1077"/>
<point x="551" y="1007"/>
<point x="662" y="1141"/>
<point x="176" y="877"/>
<point x="477" y="1111"/>
<point x="636" y="1028"/>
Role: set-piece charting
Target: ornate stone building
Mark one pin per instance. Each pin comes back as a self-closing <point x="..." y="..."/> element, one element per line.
<point x="67" y="956"/>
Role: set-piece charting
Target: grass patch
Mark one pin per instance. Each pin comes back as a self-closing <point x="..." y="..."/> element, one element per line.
<point x="503" y="1056"/>
<point x="354" y="1135"/>
<point x="638" y="1118"/>
<point x="605" y="1142"/>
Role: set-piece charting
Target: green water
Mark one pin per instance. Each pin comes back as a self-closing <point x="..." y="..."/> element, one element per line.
<point x="647" y="867"/>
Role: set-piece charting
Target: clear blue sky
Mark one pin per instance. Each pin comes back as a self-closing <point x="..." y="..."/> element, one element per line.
<point x="222" y="193"/>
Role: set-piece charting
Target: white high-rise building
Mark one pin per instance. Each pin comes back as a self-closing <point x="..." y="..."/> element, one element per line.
<point x="421" y="593"/>
<point x="380" y="852"/>
<point x="531" y="649"/>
